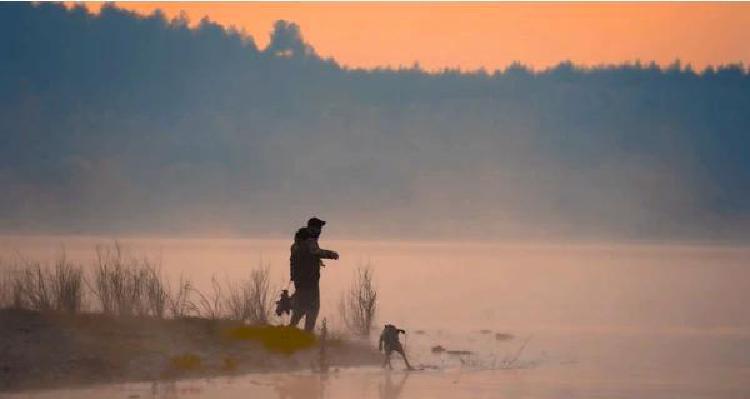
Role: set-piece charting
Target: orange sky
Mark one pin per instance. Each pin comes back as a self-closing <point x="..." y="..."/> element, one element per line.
<point x="471" y="35"/>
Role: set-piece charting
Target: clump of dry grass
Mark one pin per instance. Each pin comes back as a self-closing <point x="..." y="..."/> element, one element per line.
<point x="35" y="286"/>
<point x="260" y="299"/>
<point x="126" y="286"/>
<point x="66" y="284"/>
<point x="156" y="292"/>
<point x="211" y="304"/>
<point x="12" y="295"/>
<point x="178" y="300"/>
<point x="236" y="301"/>
<point x="359" y="304"/>
<point x="251" y="300"/>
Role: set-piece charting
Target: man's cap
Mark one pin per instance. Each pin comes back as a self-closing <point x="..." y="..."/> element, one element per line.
<point x="316" y="222"/>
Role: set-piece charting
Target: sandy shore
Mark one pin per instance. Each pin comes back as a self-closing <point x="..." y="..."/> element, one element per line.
<point x="53" y="350"/>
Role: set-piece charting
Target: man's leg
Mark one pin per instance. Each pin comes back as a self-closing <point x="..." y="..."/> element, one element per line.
<point x="312" y="309"/>
<point x="300" y="305"/>
<point x="297" y="314"/>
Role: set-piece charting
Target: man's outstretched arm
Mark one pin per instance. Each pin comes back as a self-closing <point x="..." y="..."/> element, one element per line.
<point x="319" y="252"/>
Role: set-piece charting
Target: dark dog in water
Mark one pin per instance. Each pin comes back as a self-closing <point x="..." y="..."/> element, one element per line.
<point x="389" y="342"/>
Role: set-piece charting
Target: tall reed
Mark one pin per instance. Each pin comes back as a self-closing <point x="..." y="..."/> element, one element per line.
<point x="358" y="305"/>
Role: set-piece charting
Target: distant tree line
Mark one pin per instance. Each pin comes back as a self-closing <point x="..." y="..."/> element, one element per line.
<point x="117" y="122"/>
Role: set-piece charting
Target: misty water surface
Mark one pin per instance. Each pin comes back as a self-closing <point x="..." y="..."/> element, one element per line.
<point x="600" y="320"/>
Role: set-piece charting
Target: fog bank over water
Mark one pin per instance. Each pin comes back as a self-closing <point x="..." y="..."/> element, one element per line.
<point x="118" y="124"/>
<point x="517" y="288"/>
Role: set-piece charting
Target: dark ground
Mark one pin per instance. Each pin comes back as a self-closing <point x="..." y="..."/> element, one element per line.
<point x="54" y="350"/>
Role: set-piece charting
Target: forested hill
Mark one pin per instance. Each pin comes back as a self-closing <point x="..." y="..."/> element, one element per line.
<point x="115" y="123"/>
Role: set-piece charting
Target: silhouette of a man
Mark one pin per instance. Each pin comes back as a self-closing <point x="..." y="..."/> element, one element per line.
<point x="305" y="262"/>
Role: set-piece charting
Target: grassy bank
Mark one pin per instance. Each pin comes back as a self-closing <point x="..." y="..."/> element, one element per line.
<point x="120" y="319"/>
<point x="53" y="349"/>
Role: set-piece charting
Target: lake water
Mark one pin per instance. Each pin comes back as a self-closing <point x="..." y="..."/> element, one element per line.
<point x="589" y="321"/>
